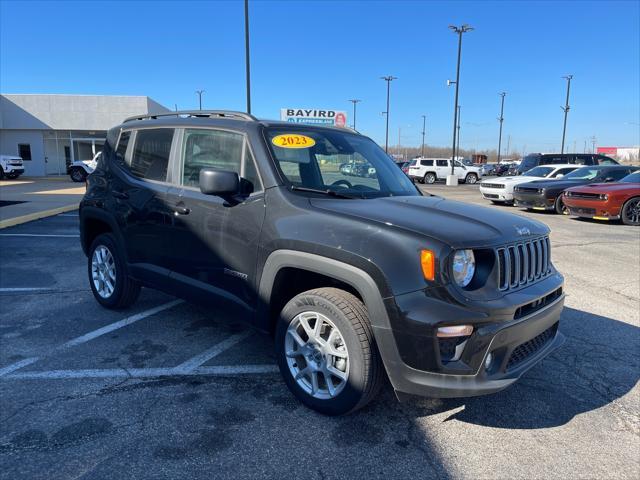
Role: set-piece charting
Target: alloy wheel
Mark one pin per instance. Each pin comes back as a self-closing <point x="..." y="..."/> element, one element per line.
<point x="632" y="212"/>
<point x="317" y="355"/>
<point x="103" y="271"/>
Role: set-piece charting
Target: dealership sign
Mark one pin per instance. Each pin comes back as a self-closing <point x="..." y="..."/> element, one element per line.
<point x="314" y="116"/>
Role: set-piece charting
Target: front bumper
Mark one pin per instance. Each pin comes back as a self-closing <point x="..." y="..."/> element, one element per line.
<point x="535" y="201"/>
<point x="496" y="194"/>
<point x="596" y="209"/>
<point x="516" y="343"/>
<point x="11" y="170"/>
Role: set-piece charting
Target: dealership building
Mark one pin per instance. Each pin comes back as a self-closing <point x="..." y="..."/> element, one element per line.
<point x="51" y="131"/>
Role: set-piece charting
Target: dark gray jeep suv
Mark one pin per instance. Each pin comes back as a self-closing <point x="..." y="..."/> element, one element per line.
<point x="358" y="278"/>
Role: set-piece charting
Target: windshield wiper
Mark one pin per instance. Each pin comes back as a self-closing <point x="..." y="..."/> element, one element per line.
<point x="331" y="193"/>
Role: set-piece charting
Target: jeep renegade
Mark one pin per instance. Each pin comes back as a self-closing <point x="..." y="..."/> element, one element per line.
<point x="357" y="278"/>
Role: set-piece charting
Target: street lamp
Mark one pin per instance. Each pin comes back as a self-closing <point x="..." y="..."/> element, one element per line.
<point x="452" y="179"/>
<point x="566" y="110"/>
<point x="200" y="92"/>
<point x="388" y="79"/>
<point x="457" y="153"/>
<point x="424" y="125"/>
<point x="354" y="101"/>
<point x="500" y="119"/>
<point x="246" y="53"/>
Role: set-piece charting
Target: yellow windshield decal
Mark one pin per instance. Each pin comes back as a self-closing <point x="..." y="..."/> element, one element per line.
<point x="293" y="140"/>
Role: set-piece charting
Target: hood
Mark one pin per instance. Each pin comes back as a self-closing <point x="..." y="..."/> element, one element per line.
<point x="607" y="187"/>
<point x="517" y="180"/>
<point x="453" y="223"/>
<point x="558" y="184"/>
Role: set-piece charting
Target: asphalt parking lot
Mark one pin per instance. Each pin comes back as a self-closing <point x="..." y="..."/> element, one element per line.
<point x="168" y="390"/>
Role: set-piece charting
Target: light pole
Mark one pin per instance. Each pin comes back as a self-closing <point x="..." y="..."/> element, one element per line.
<point x="388" y="79"/>
<point x="200" y="92"/>
<point x="457" y="153"/>
<point x="354" y="101"/>
<point x="566" y="110"/>
<point x="500" y="119"/>
<point x="246" y="53"/>
<point x="452" y="180"/>
<point x="424" y="125"/>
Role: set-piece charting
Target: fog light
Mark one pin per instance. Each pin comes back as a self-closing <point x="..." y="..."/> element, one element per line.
<point x="455" y="331"/>
<point x="488" y="360"/>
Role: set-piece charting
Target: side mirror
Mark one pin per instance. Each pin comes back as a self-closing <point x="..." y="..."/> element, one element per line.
<point x="219" y="182"/>
<point x="609" y="179"/>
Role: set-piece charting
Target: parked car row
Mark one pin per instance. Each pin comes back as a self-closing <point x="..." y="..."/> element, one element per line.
<point x="601" y="192"/>
<point x="358" y="170"/>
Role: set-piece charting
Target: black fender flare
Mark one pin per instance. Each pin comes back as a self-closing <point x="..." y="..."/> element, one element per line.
<point x="94" y="213"/>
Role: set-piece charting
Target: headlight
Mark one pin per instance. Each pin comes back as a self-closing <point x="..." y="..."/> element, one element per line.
<point x="464" y="266"/>
<point x="604" y="196"/>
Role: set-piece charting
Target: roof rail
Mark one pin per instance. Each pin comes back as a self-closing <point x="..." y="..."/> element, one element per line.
<point x="196" y="113"/>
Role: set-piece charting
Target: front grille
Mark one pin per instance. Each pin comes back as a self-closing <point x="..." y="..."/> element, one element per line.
<point x="582" y="211"/>
<point x="592" y="196"/>
<point x="527" y="189"/>
<point x="16" y="162"/>
<point x="538" y="304"/>
<point x="523" y="263"/>
<point x="526" y="349"/>
<point x="490" y="195"/>
<point x="492" y="185"/>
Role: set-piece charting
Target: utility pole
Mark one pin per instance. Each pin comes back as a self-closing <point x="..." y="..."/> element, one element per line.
<point x="424" y="125"/>
<point x="388" y="79"/>
<point x="246" y="53"/>
<point x="452" y="180"/>
<point x="457" y="154"/>
<point x="593" y="144"/>
<point x="200" y="92"/>
<point x="508" y="144"/>
<point x="566" y="110"/>
<point x="354" y="101"/>
<point x="501" y="119"/>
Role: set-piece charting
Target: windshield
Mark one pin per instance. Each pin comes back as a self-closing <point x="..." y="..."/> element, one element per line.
<point x="585" y="173"/>
<point x="538" y="172"/>
<point x="335" y="161"/>
<point x="632" y="178"/>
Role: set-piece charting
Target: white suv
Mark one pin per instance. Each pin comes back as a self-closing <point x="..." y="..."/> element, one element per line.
<point x="428" y="170"/>
<point x="11" y="166"/>
<point x="81" y="169"/>
<point x="500" y="189"/>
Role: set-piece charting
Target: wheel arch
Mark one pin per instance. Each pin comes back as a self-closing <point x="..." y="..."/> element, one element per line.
<point x="94" y="222"/>
<point x="351" y="278"/>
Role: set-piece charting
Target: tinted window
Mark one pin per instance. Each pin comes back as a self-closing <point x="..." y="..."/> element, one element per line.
<point x="212" y="149"/>
<point x="442" y="163"/>
<point x="538" y="172"/>
<point x="251" y="180"/>
<point x="151" y="154"/>
<point x="563" y="171"/>
<point x="584" y="173"/>
<point x="24" y="151"/>
<point x="413" y="163"/>
<point x="122" y="146"/>
<point x="426" y="163"/>
<point x="615" y="175"/>
<point x="584" y="160"/>
<point x="602" y="160"/>
<point x="554" y="159"/>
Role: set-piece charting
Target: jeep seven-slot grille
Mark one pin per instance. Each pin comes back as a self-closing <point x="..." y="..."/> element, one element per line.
<point x="526" y="349"/>
<point x="523" y="263"/>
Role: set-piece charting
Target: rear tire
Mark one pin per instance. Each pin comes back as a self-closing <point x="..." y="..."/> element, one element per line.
<point x="429" y="178"/>
<point x="78" y="175"/>
<point x="344" y="382"/>
<point x="630" y="212"/>
<point x="108" y="276"/>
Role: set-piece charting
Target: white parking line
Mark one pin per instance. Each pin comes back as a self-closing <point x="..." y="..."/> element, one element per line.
<point x="91" y="335"/>
<point x="122" y="323"/>
<point x="144" y="372"/>
<point x="37" y="235"/>
<point x="23" y="289"/>
<point x="214" y="351"/>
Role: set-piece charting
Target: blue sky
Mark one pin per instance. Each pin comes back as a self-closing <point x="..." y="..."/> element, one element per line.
<point x="320" y="54"/>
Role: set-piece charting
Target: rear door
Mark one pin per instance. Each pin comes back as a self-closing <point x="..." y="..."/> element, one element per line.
<point x="138" y="196"/>
<point x="442" y="168"/>
<point x="215" y="240"/>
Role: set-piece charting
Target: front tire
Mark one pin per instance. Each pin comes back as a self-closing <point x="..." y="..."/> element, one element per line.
<point x="78" y="175"/>
<point x="560" y="207"/>
<point x="429" y="178"/>
<point x="630" y="213"/>
<point x="326" y="351"/>
<point x="471" y="178"/>
<point x="108" y="277"/>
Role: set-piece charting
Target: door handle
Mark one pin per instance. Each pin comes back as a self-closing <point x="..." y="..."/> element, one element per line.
<point x="181" y="210"/>
<point x="120" y="195"/>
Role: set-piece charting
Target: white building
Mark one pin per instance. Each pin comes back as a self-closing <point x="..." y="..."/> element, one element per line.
<point x="51" y="131"/>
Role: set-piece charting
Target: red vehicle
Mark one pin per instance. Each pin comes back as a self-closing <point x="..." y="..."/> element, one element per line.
<point x="607" y="201"/>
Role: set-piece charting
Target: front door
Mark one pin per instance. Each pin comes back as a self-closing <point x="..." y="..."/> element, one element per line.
<point x="215" y="240"/>
<point x="442" y="168"/>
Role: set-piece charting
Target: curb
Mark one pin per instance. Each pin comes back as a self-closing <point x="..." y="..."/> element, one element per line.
<point x="10" y="222"/>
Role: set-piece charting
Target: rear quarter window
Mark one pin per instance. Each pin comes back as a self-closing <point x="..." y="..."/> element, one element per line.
<point x="150" y="159"/>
